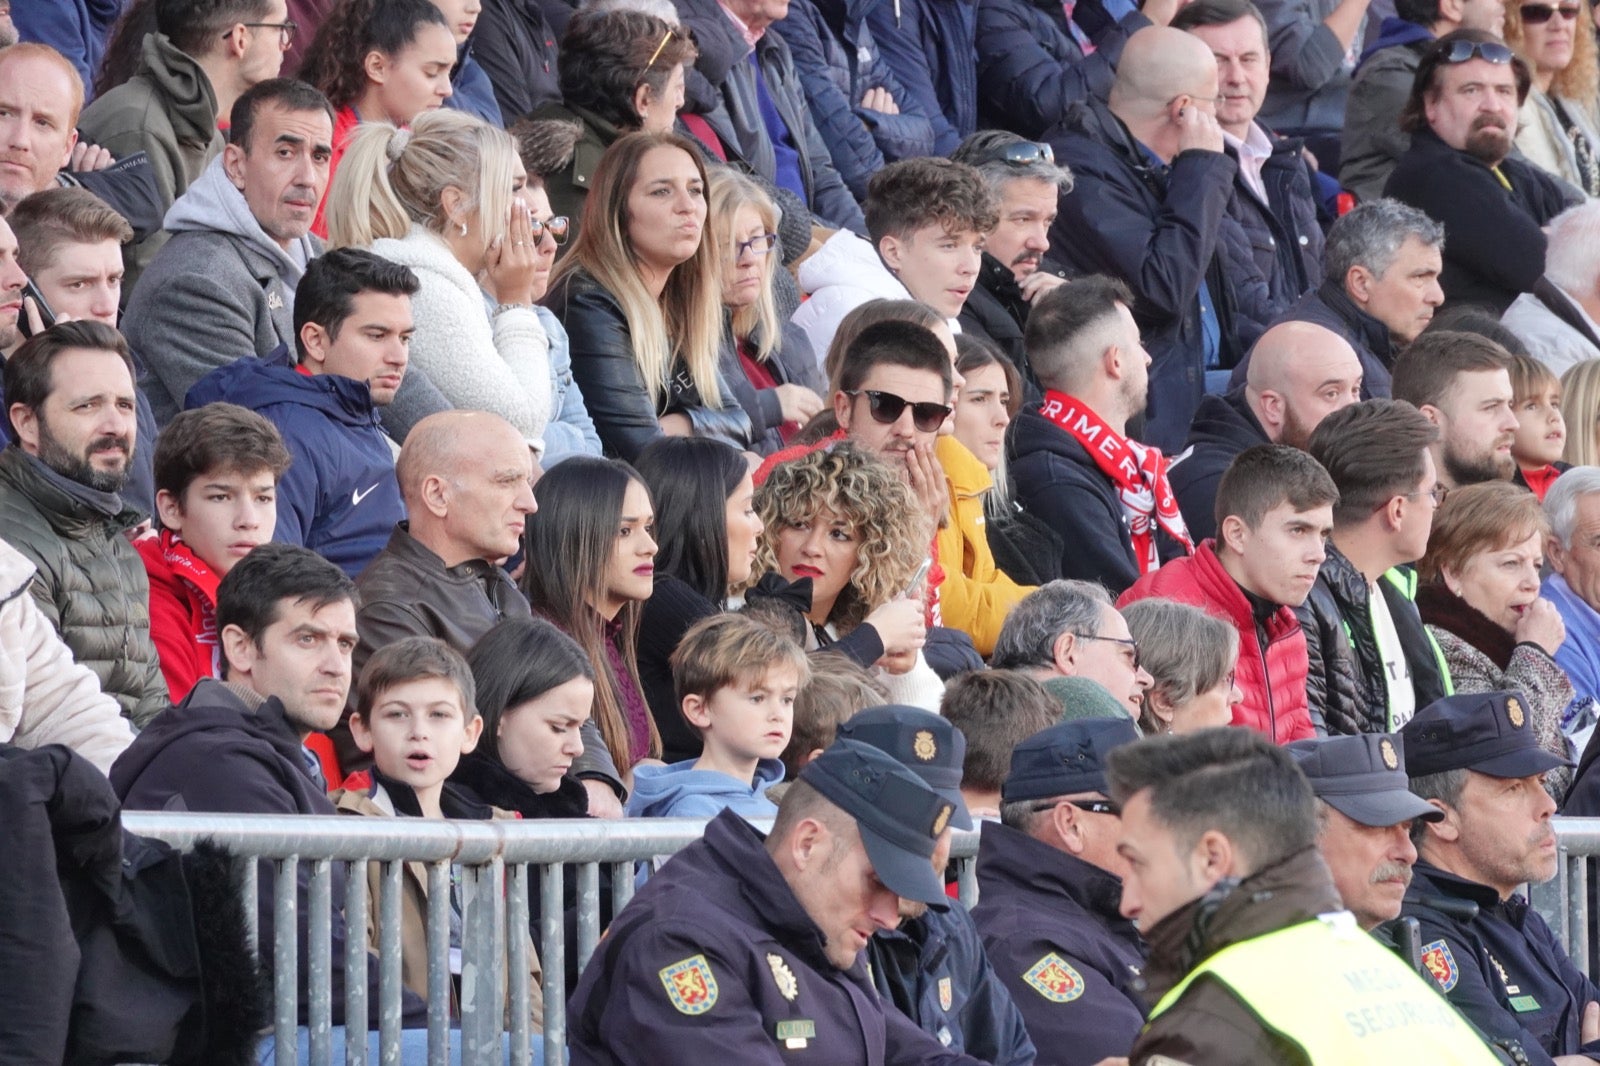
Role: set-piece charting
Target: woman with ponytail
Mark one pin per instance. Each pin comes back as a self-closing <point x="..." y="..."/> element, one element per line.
<point x="446" y="198"/>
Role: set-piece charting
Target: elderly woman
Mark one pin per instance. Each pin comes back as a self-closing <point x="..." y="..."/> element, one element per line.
<point x="1191" y="657"/>
<point x="1480" y="599"/>
<point x="1557" y="126"/>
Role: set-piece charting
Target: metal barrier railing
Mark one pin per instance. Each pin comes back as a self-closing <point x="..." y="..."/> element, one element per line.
<point x="1567" y="901"/>
<point x="494" y="860"/>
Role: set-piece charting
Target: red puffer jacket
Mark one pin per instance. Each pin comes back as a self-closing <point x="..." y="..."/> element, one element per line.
<point x="1273" y="679"/>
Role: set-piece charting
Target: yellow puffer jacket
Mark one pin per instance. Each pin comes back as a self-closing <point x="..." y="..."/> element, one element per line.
<point x="976" y="595"/>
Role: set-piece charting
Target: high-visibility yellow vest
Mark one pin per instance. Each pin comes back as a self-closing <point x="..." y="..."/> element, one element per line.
<point x="1328" y="987"/>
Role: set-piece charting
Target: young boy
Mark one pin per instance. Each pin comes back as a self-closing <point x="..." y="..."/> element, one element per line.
<point x="416" y="716"/>
<point x="736" y="679"/>
<point x="1541" y="429"/>
<point x="216" y="476"/>
<point x="836" y="691"/>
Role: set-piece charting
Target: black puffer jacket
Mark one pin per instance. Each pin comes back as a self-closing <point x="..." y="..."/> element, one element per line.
<point x="1223" y="427"/>
<point x="1285" y="237"/>
<point x="1346" y="683"/>
<point x="625" y="415"/>
<point x="90" y="583"/>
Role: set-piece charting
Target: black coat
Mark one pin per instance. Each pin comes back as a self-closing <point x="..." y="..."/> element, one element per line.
<point x="1056" y="481"/>
<point x="1496" y="244"/>
<point x="1166" y="231"/>
<point x="1223" y="427"/>
<point x="1345" y="687"/>
<point x="1285" y="237"/>
<point x="1331" y="307"/>
<point x="112" y="947"/>
<point x="995" y="309"/>
<point x="672" y="608"/>
<point x="515" y="44"/>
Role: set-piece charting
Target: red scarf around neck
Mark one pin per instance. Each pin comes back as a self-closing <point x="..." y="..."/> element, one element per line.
<point x="1138" y="471"/>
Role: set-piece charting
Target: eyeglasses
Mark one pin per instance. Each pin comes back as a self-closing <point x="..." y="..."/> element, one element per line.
<point x="558" y="228"/>
<point x="1127" y="642"/>
<point x="286" y="30"/>
<point x="1438" y="492"/>
<point x="1539" y="14"/>
<point x="1092" y="806"/>
<point x="887" y="409"/>
<point x="657" y="53"/>
<point x="1488" y="51"/>
<point x="758" y="246"/>
<point x="1024" y="153"/>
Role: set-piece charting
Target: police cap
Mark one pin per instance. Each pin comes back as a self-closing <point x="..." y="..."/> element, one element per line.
<point x="1363" y="777"/>
<point x="1066" y="758"/>
<point x="928" y="745"/>
<point x="1487" y="731"/>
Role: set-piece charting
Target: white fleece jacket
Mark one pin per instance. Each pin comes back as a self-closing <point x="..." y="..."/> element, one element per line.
<point x="46" y="697"/>
<point x="503" y="368"/>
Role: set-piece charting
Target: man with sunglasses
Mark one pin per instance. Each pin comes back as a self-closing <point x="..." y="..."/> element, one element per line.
<point x="1049" y="882"/>
<point x="1274" y="514"/>
<point x="202" y="58"/>
<point x="1462" y="117"/>
<point x="1373" y="663"/>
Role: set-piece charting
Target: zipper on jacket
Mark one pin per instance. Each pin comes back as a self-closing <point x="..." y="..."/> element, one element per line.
<point x="1262" y="642"/>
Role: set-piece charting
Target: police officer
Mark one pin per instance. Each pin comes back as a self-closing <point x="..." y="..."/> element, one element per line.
<point x="744" y="949"/>
<point x="1475" y="757"/>
<point x="1048" y="894"/>
<point x="933" y="966"/>
<point x="1252" y="963"/>
<point x="1365" y="810"/>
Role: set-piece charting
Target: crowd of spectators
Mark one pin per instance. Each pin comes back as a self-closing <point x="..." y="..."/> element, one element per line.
<point x="555" y="409"/>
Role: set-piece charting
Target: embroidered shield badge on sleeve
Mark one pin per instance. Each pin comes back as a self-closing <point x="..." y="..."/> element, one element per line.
<point x="690" y="985"/>
<point x="1055" y="979"/>
<point x="1441" y="964"/>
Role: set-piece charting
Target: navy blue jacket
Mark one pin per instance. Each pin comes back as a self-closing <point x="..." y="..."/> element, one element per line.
<point x="1053" y="479"/>
<point x="1497" y="242"/>
<point x="1331" y="307"/>
<point x="471" y="90"/>
<point x="1285" y="237"/>
<point x="1031" y="71"/>
<point x="996" y="309"/>
<point x="1165" y="230"/>
<point x="931" y="46"/>
<point x="1043" y="912"/>
<point x="724" y="79"/>
<point x="215" y="753"/>
<point x="515" y="45"/>
<point x="838" y="61"/>
<point x="934" y="969"/>
<point x="78" y="29"/>
<point x="339" y="496"/>
<point x="1504" y="970"/>
<point x="712" y="956"/>
<point x="1223" y="427"/>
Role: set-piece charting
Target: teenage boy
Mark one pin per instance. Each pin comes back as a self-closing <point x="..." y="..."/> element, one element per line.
<point x="835" y="690"/>
<point x="995" y="710"/>
<point x="217" y="471"/>
<point x="1274" y="515"/>
<point x="736" y="680"/>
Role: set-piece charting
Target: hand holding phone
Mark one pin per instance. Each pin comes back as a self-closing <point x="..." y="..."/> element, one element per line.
<point x="36" y="316"/>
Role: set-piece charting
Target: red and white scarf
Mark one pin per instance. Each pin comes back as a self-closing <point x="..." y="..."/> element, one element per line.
<point x="1138" y="471"/>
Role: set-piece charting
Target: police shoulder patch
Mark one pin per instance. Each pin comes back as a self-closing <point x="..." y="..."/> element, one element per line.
<point x="1441" y="963"/>
<point x="1055" y="979"/>
<point x="690" y="985"/>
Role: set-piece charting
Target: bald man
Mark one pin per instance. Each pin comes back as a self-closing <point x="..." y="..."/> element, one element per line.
<point x="1299" y="374"/>
<point x="1150" y="206"/>
<point x="467" y="480"/>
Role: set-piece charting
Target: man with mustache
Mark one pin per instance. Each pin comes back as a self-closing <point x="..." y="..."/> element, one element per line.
<point x="71" y="403"/>
<point x="1462" y="117"/>
<point x="1476" y="759"/>
<point x="1364" y="817"/>
<point x="1026" y="181"/>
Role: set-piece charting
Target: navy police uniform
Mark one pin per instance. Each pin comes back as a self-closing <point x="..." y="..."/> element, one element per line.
<point x="1050" y="920"/>
<point x="1503" y="968"/>
<point x="716" y="960"/>
<point x="933" y="968"/>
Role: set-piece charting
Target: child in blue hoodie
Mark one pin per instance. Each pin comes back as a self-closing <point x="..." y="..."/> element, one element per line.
<point x="736" y="680"/>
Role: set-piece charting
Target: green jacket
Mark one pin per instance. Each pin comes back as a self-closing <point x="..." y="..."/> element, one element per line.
<point x="90" y="583"/>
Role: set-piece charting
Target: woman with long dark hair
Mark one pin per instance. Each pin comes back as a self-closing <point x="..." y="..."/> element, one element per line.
<point x="707" y="532"/>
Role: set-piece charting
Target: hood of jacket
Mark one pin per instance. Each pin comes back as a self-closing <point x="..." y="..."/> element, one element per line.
<point x="1288" y="892"/>
<point x="190" y="100"/>
<point x="255" y="383"/>
<point x="1225" y="421"/>
<point x="1032" y="432"/>
<point x="1395" y="31"/>
<point x="213" y="204"/>
<point x="852" y="262"/>
<point x="1014" y="862"/>
<point x="657" y="788"/>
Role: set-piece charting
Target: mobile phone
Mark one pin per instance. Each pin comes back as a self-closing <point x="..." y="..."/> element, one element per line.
<point x="30" y="291"/>
<point x="916" y="578"/>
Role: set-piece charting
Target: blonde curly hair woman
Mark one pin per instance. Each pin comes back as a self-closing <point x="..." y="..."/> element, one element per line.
<point x="1559" y="125"/>
<point x="845" y="521"/>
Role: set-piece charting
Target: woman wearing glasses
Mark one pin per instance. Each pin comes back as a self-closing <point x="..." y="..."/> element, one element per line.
<point x="640" y="297"/>
<point x="847" y="523"/>
<point x="767" y="362"/>
<point x="1557" y="127"/>
<point x="445" y="199"/>
<point x="1190" y="655"/>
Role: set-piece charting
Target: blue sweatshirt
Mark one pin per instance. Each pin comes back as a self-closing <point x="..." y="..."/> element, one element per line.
<point x="680" y="791"/>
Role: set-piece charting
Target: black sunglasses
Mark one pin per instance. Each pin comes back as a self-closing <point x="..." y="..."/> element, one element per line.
<point x="887" y="409"/>
<point x="1092" y="806"/>
<point x="1539" y="14"/>
<point x="1023" y="153"/>
<point x="1488" y="51"/>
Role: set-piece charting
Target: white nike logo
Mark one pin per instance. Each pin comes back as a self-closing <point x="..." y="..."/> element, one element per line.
<point x="357" y="497"/>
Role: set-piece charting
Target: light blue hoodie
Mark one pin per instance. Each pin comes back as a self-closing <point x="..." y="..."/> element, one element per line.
<point x="681" y="791"/>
